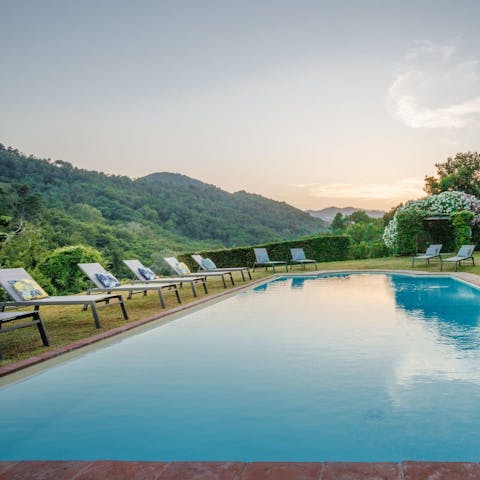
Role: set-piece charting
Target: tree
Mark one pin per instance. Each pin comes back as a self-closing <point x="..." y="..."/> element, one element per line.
<point x="358" y="217"/>
<point x="338" y="223"/>
<point x="460" y="173"/>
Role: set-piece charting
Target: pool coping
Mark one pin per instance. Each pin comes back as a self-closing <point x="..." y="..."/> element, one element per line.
<point x="26" y="367"/>
<point x="123" y="470"/>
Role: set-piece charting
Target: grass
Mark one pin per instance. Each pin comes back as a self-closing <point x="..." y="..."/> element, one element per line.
<point x="66" y="324"/>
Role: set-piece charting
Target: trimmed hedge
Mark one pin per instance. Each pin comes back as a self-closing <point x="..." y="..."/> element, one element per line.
<point x="322" y="248"/>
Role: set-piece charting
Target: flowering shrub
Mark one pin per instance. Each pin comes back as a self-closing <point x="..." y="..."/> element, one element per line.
<point x="405" y="222"/>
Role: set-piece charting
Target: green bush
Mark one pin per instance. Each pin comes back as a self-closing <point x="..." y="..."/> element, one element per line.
<point x="378" y="250"/>
<point x="365" y="249"/>
<point x="410" y="226"/>
<point x="462" y="225"/>
<point x="323" y="248"/>
<point x="359" y="250"/>
<point x="59" y="272"/>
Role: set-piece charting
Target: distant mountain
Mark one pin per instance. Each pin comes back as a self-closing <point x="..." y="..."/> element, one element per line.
<point x="328" y="214"/>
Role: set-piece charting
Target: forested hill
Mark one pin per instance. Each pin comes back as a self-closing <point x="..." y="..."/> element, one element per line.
<point x="177" y="208"/>
<point x="204" y="211"/>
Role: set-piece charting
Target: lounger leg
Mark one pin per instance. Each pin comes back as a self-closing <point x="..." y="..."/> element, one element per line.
<point x="122" y="306"/>
<point x="249" y="273"/>
<point x="231" y="279"/>
<point x="177" y="293"/>
<point x="160" y="296"/>
<point x="286" y="267"/>
<point x="95" y="315"/>
<point x="194" y="291"/>
<point x="243" y="275"/>
<point x="41" y="328"/>
<point x="473" y="261"/>
<point x="224" y="282"/>
<point x="204" y="282"/>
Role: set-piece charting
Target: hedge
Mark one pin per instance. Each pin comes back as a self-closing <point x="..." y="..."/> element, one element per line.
<point x="322" y="248"/>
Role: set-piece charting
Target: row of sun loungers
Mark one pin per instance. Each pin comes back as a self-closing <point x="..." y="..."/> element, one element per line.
<point x="433" y="251"/>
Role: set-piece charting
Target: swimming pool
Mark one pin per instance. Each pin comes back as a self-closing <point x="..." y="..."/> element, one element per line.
<point x="352" y="367"/>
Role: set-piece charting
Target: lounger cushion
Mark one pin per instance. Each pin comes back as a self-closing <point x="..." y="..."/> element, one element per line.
<point x="183" y="269"/>
<point x="146" y="273"/>
<point x="208" y="264"/>
<point x="107" y="280"/>
<point x="28" y="289"/>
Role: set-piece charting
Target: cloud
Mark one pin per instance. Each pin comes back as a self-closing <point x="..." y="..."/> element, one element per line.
<point x="403" y="189"/>
<point x="436" y="88"/>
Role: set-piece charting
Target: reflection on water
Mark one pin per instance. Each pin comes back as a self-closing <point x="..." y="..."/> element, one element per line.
<point x="453" y="307"/>
<point x="299" y="281"/>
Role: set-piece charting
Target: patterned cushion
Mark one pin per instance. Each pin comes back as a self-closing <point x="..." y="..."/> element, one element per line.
<point x="146" y="273"/>
<point x="183" y="269"/>
<point x="28" y="289"/>
<point x="208" y="264"/>
<point x="107" y="280"/>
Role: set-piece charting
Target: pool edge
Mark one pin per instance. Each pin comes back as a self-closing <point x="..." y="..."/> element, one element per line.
<point x="118" y="470"/>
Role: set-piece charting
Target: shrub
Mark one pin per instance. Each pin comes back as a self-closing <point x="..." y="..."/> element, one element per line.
<point x="462" y="224"/>
<point x="61" y="272"/>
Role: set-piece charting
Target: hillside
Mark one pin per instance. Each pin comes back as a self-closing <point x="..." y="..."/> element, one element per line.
<point x="328" y="214"/>
<point x="162" y="210"/>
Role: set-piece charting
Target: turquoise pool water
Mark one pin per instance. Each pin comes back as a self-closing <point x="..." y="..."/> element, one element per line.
<point x="361" y="367"/>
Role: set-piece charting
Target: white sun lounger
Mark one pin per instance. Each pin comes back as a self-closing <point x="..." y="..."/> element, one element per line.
<point x="433" y="251"/>
<point x="465" y="253"/>
<point x="200" y="261"/>
<point x="173" y="263"/>
<point x="299" y="258"/>
<point x="136" y="265"/>
<point x="91" y="270"/>
<point x="263" y="260"/>
<point x="14" y="274"/>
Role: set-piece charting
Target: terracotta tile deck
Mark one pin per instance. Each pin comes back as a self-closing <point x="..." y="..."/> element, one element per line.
<point x="116" y="470"/>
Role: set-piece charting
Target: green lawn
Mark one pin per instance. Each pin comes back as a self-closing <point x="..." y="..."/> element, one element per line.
<point x="68" y="324"/>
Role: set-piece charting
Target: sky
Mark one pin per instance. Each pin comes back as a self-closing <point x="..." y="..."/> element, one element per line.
<point x="315" y="103"/>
